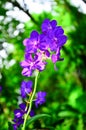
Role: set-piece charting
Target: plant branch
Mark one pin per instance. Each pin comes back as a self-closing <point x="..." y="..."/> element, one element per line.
<point x="15" y="3"/>
<point x="84" y="1"/>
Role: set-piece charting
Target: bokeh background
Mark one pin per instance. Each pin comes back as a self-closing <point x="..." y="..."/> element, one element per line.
<point x="66" y="87"/>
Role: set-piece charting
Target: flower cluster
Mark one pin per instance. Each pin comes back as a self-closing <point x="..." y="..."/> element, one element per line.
<point x="26" y="90"/>
<point x="40" y="47"/>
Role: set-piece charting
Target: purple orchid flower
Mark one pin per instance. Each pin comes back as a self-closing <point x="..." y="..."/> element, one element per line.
<point x="26" y="88"/>
<point x="40" y="98"/>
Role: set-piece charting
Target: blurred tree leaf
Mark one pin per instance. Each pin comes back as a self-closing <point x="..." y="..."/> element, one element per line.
<point x="81" y="103"/>
<point x="67" y="114"/>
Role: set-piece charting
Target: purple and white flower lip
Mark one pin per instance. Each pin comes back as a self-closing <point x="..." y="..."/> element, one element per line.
<point x="40" y="47"/>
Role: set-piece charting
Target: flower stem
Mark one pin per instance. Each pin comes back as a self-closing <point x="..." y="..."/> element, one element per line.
<point x="31" y="100"/>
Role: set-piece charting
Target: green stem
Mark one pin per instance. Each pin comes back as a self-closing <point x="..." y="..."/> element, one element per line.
<point x="31" y="100"/>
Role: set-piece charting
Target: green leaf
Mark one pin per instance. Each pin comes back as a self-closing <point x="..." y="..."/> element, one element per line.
<point x="36" y="118"/>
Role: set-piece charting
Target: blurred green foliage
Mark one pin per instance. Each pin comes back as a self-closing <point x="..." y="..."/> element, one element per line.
<point x="66" y="87"/>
